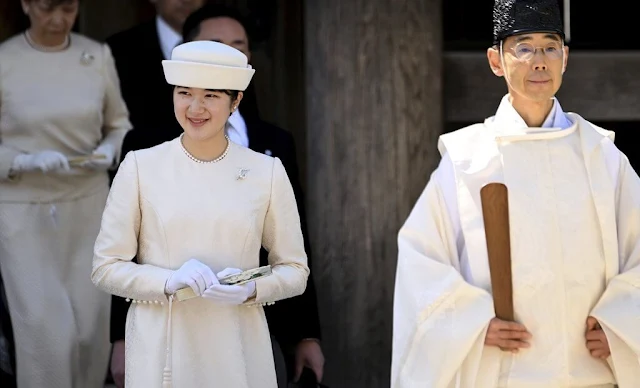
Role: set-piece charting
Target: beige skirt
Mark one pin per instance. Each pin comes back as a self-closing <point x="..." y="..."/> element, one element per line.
<point x="60" y="320"/>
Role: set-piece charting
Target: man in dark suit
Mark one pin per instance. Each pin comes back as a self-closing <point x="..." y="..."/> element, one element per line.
<point x="293" y="322"/>
<point x="138" y="53"/>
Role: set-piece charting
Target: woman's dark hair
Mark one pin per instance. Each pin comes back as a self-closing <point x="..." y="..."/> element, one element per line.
<point x="231" y="93"/>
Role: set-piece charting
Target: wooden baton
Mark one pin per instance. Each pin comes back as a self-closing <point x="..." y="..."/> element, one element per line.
<point x="495" y="212"/>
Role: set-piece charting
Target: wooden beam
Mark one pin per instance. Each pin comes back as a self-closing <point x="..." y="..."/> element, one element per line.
<point x="602" y="86"/>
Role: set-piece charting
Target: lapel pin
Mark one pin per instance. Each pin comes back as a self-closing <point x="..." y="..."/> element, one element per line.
<point x="86" y="58"/>
<point x="242" y="173"/>
<point x="268" y="152"/>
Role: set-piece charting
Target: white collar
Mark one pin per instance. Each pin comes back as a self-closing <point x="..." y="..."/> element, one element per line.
<point x="236" y="129"/>
<point x="167" y="36"/>
<point x="507" y="116"/>
<point x="235" y="118"/>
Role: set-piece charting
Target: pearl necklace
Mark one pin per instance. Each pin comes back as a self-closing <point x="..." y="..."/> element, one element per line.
<point x="216" y="160"/>
<point x="40" y="47"/>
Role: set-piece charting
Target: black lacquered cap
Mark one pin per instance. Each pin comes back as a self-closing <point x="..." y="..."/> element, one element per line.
<point x="512" y="17"/>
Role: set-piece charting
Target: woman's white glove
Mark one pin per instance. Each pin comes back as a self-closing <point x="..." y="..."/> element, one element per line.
<point x="194" y="274"/>
<point x="229" y="294"/>
<point x="44" y="161"/>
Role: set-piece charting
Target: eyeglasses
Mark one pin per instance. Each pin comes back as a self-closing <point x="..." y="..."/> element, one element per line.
<point x="525" y="51"/>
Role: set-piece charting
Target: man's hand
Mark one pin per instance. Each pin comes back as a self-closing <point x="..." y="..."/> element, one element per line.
<point x="597" y="342"/>
<point x="117" y="363"/>
<point x="508" y="336"/>
<point x="309" y="354"/>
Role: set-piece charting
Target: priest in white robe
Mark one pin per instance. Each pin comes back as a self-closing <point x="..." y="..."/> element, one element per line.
<point x="574" y="204"/>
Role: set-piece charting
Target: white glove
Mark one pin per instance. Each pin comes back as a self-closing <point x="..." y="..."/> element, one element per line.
<point x="229" y="294"/>
<point x="44" y="160"/>
<point x="101" y="164"/>
<point x="192" y="274"/>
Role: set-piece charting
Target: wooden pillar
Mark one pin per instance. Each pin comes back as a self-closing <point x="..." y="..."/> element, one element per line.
<point x="374" y="112"/>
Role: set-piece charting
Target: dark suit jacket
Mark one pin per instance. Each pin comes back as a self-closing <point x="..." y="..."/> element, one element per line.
<point x="138" y="59"/>
<point x="294" y="319"/>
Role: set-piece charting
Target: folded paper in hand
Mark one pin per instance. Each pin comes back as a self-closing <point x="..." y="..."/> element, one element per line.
<point x="235" y="279"/>
<point x="78" y="160"/>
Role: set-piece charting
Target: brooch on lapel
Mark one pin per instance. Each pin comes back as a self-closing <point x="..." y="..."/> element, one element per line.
<point x="86" y="58"/>
<point x="242" y="173"/>
<point x="268" y="152"/>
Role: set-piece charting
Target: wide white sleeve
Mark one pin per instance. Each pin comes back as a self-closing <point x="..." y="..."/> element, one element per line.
<point x="117" y="243"/>
<point x="439" y="320"/>
<point x="282" y="238"/>
<point x="618" y="310"/>
<point x="115" y="113"/>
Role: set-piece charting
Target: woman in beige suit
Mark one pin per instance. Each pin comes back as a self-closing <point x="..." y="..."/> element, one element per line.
<point x="193" y="210"/>
<point x="59" y="100"/>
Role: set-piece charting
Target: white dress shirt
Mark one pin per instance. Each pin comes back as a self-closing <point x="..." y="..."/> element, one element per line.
<point x="237" y="129"/>
<point x="167" y="36"/>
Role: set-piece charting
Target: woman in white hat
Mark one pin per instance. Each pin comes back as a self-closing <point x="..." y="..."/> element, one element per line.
<point x="194" y="210"/>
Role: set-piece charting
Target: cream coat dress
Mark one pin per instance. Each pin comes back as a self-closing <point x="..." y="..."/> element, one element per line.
<point x="574" y="205"/>
<point x="165" y="209"/>
<point x="67" y="101"/>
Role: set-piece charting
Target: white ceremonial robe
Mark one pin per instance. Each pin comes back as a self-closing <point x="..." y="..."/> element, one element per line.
<point x="165" y="209"/>
<point x="575" y="239"/>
